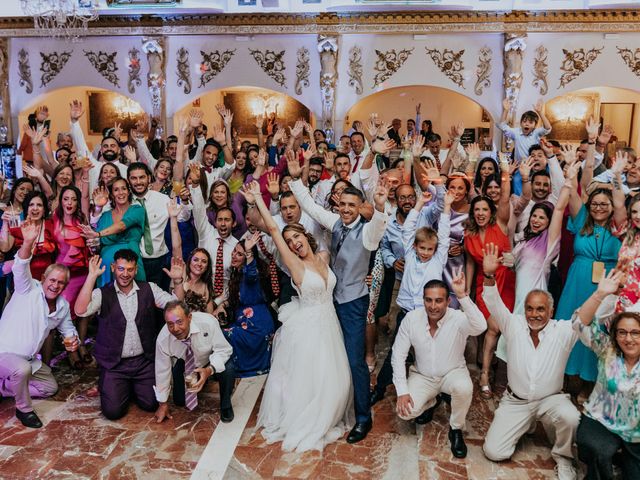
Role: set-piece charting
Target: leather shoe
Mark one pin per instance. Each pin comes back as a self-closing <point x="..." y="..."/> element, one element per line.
<point x="29" y="419"/>
<point x="427" y="415"/>
<point x="359" y="432"/>
<point x="226" y="415"/>
<point x="375" y="396"/>
<point x="458" y="447"/>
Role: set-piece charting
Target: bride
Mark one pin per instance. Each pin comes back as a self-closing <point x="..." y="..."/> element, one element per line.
<point x="307" y="400"/>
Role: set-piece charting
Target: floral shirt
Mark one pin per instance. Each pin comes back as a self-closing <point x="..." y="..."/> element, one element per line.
<point x="615" y="400"/>
<point x="629" y="257"/>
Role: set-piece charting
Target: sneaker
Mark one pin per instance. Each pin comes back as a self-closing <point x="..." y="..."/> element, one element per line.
<point x="565" y="470"/>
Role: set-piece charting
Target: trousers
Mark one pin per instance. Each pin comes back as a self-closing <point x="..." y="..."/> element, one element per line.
<point x="17" y="380"/>
<point x="385" y="376"/>
<point x="423" y="391"/>
<point x="514" y="418"/>
<point x="226" y="379"/>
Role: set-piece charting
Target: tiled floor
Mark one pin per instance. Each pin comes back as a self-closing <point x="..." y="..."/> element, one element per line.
<point x="77" y="443"/>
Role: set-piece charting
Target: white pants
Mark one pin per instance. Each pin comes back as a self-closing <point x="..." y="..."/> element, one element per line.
<point x="423" y="391"/>
<point x="16" y="380"/>
<point x="514" y="418"/>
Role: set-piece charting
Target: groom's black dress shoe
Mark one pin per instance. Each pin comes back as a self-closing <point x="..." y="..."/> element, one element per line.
<point x="375" y="396"/>
<point x="458" y="447"/>
<point x="226" y="415"/>
<point x="359" y="432"/>
<point x="427" y="415"/>
<point x="29" y="419"/>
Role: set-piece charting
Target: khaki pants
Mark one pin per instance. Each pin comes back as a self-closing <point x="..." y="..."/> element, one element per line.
<point x="514" y="418"/>
<point x="16" y="380"/>
<point x="423" y="391"/>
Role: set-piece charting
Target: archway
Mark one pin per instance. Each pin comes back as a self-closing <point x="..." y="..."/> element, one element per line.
<point x="102" y="109"/>
<point x="442" y="106"/>
<point x="618" y="107"/>
<point x="246" y="103"/>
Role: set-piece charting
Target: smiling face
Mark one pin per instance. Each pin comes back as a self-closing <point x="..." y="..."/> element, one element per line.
<point x="349" y="208"/>
<point x="357" y="144"/>
<point x="241" y="160"/>
<point x="425" y="249"/>
<point x="343" y="167"/>
<point x="626" y="329"/>
<point x="540" y="188"/>
<point x="493" y="191"/>
<point x="209" y="155"/>
<point x="600" y="208"/>
<point x="482" y="213"/>
<point x="537" y="310"/>
<point x="62" y="155"/>
<point x="110" y="149"/>
<point x="69" y="202"/>
<point x="238" y="256"/>
<point x="487" y="168"/>
<point x="406" y="198"/>
<point x="21" y="192"/>
<point x="125" y="272"/>
<point x="436" y="302"/>
<point x="538" y="221"/>
<point x="253" y="158"/>
<point x="120" y="192"/>
<point x="178" y="323"/>
<point x="458" y="188"/>
<point x="219" y="196"/>
<point x="139" y="181"/>
<point x="634" y="212"/>
<point x="163" y="170"/>
<point x="393" y="179"/>
<point x="198" y="264"/>
<point x="64" y="177"/>
<point x="35" y="210"/>
<point x="109" y="172"/>
<point x="539" y="160"/>
<point x="53" y="283"/>
<point x="297" y="243"/>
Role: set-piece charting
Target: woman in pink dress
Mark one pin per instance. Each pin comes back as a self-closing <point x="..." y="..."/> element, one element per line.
<point x="73" y="252"/>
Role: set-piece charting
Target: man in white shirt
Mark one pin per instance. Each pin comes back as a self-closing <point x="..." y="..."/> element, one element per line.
<point x="34" y="310"/>
<point x="537" y="353"/>
<point x="109" y="148"/>
<point x="191" y="343"/>
<point x="153" y="249"/>
<point x="438" y="335"/>
<point x="359" y="150"/>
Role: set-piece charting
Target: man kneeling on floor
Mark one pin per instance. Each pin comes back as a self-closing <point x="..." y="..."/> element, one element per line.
<point x="191" y="348"/>
<point x="34" y="310"/>
<point x="438" y="335"/>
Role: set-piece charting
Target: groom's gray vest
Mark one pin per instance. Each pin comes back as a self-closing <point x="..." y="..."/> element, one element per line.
<point x="351" y="264"/>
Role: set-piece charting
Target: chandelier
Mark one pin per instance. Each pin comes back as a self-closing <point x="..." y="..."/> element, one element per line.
<point x="61" y="18"/>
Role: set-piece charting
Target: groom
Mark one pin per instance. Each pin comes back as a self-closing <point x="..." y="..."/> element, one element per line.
<point x="350" y="262"/>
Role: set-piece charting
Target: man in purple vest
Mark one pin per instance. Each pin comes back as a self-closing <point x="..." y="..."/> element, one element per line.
<point x="126" y="338"/>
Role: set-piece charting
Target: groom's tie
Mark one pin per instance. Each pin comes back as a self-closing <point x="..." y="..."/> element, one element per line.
<point x="343" y="235"/>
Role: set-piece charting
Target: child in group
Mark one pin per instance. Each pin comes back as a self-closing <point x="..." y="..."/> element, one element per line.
<point x="525" y="136"/>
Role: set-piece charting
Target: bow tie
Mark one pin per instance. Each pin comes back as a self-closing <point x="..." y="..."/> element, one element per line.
<point x="207" y="169"/>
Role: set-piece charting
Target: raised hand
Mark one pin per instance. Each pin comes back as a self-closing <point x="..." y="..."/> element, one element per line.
<point x="293" y="164"/>
<point x="569" y="154"/>
<point x="251" y="240"/>
<point x="219" y="135"/>
<point x="619" y="163"/>
<point x="95" y="267"/>
<point x="423" y="199"/>
<point x="380" y="195"/>
<point x="525" y="167"/>
<point x="261" y="161"/>
<point x="490" y="261"/>
<point x="418" y="106"/>
<point x="278" y="137"/>
<point x="184" y="126"/>
<point x="547" y="148"/>
<point x="382" y="146"/>
<point x="571" y="174"/>
<point x="538" y="107"/>
<point x="433" y="174"/>
<point x="75" y="110"/>
<point x="297" y="129"/>
<point x="174" y="208"/>
<point x="383" y="128"/>
<point x="506" y="104"/>
<point x="473" y="152"/>
<point x="246" y="192"/>
<point x="273" y="184"/>
<point x="34" y="134"/>
<point x="592" y="129"/>
<point x="504" y="161"/>
<point x="259" y="121"/>
<point x="329" y="159"/>
<point x="194" y="173"/>
<point x="195" y="118"/>
<point x="458" y="283"/>
<point x="31" y="171"/>
<point x="372" y="125"/>
<point x="605" y="135"/>
<point x="130" y="154"/>
<point x="417" y="146"/>
<point x="308" y="153"/>
<point x="449" y="198"/>
<point x="117" y="131"/>
<point x="177" y="269"/>
<point x="100" y="197"/>
<point x="30" y="231"/>
<point x="456" y="131"/>
<point x="610" y="283"/>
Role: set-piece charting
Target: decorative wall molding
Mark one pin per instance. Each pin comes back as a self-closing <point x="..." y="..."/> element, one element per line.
<point x="212" y="64"/>
<point x="483" y="74"/>
<point x="540" y="70"/>
<point x="328" y="51"/>
<point x="24" y="71"/>
<point x="155" y="49"/>
<point x="134" y="70"/>
<point x="183" y="70"/>
<point x="271" y="63"/>
<point x="5" y="110"/>
<point x="302" y="70"/>
<point x="52" y="64"/>
<point x="450" y="63"/>
<point x="355" y="69"/>
<point x="631" y="58"/>
<point x="388" y="63"/>
<point x="512" y="56"/>
<point x="105" y="65"/>
<point x="576" y="62"/>
<point x="353" y="22"/>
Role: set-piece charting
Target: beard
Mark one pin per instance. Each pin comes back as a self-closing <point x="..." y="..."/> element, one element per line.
<point x="110" y="156"/>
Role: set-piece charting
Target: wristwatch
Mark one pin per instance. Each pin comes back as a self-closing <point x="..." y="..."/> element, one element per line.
<point x="490" y="277"/>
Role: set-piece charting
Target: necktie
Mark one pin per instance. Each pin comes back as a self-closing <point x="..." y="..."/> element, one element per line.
<point x="355" y="165"/>
<point x="190" y="398"/>
<point x="148" y="243"/>
<point x="343" y="235"/>
<point x="436" y="157"/>
<point x="208" y="169"/>
<point x="218" y="278"/>
<point x="273" y="270"/>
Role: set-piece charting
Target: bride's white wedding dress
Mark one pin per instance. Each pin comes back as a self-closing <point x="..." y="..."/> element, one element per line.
<point x="308" y="399"/>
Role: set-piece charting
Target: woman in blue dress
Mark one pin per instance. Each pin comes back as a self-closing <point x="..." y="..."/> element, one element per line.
<point x="120" y="227"/>
<point x="595" y="250"/>
<point x="250" y="293"/>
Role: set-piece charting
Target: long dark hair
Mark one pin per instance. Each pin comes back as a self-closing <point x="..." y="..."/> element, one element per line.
<point x="587" y="229"/>
<point x="207" y="276"/>
<point x="45" y="203"/>
<point x="212" y="206"/>
<point x="56" y="172"/>
<point x="110" y="188"/>
<point x="236" y="279"/>
<point x="20" y="181"/>
<point x="105" y="165"/>
<point x="477" y="181"/>
<point x="78" y="215"/>
<point x="547" y="208"/>
<point x="471" y="226"/>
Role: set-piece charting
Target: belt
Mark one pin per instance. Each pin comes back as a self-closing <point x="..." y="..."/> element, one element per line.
<point x="514" y="395"/>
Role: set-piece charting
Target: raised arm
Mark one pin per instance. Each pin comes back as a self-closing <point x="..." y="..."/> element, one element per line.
<point x="76" y="111"/>
<point x="490" y="294"/>
<point x="37" y="175"/>
<point x="476" y="323"/>
<point x="608" y="285"/>
<point x="619" y="210"/>
<point x="555" y="225"/>
<point x="504" y="204"/>
<point x="539" y="109"/>
<point x="173" y="208"/>
<point x="589" y="163"/>
<point x="84" y="297"/>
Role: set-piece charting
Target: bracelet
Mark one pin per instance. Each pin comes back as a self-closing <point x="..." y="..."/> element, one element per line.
<point x="100" y="234"/>
<point x="380" y="138"/>
<point x="251" y="205"/>
<point x="223" y="145"/>
<point x="178" y="283"/>
<point x="591" y="143"/>
<point x="490" y="277"/>
<point x="525" y="180"/>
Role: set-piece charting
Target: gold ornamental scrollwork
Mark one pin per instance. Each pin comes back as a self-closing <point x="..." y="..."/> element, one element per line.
<point x="52" y="64"/>
<point x="541" y="69"/>
<point x="183" y="70"/>
<point x="576" y="62"/>
<point x="388" y="63"/>
<point x="355" y="69"/>
<point x="449" y="62"/>
<point x="483" y="74"/>
<point x="302" y="70"/>
<point x="24" y="71"/>
<point x="213" y="63"/>
<point x="134" y="70"/>
<point x="271" y="63"/>
<point x="631" y="59"/>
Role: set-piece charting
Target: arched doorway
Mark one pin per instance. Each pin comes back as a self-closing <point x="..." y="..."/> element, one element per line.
<point x="247" y="104"/>
<point x="442" y="106"/>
